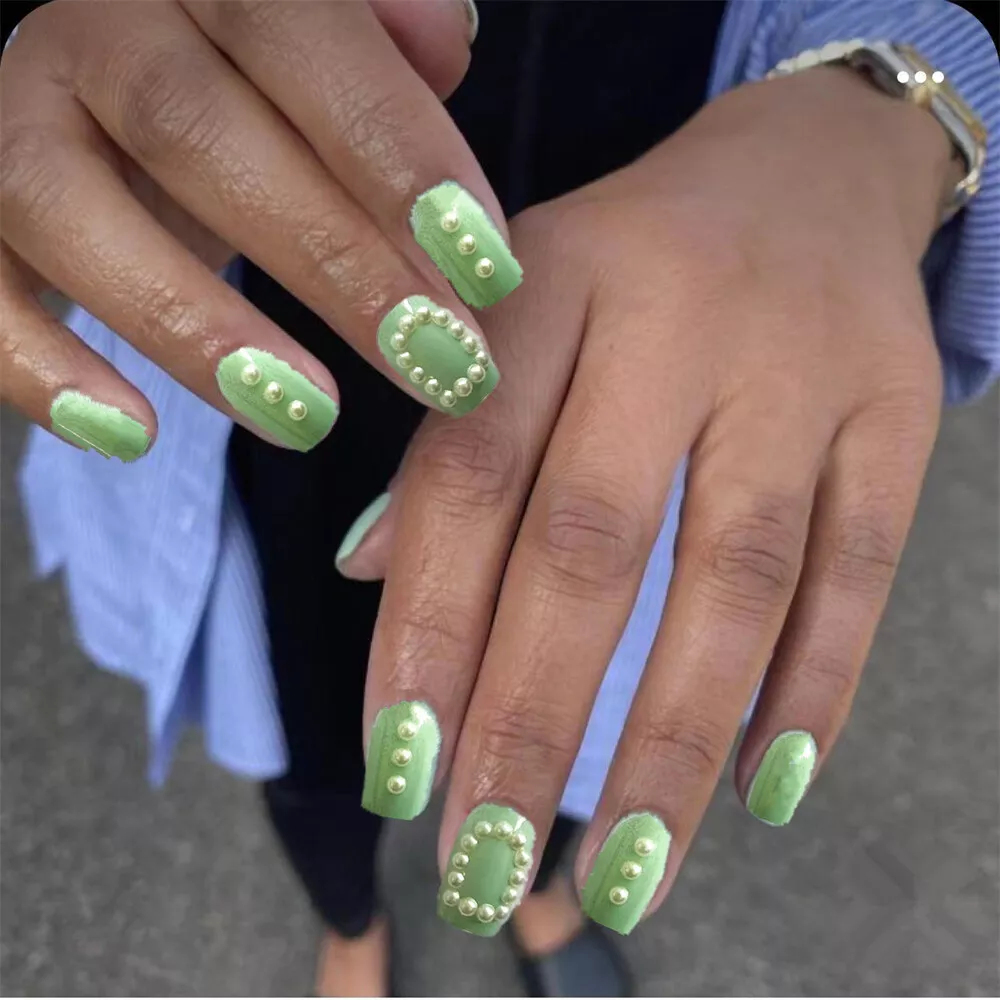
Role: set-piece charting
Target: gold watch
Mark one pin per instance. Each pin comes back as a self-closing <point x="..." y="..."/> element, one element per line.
<point x="900" y="71"/>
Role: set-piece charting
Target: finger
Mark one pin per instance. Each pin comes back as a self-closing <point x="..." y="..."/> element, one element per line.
<point x="68" y="214"/>
<point x="59" y="383"/>
<point x="743" y="530"/>
<point x="865" y="505"/>
<point x="455" y="505"/>
<point x="364" y="552"/>
<point x="222" y="152"/>
<point x="337" y="76"/>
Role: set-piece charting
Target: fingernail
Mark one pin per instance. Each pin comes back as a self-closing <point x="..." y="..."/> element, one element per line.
<point x="439" y="354"/>
<point x="458" y="234"/>
<point x="782" y="777"/>
<point x="472" y="12"/>
<point x="92" y="425"/>
<point x="276" y="397"/>
<point x="364" y="522"/>
<point x="627" y="871"/>
<point x="402" y="757"/>
<point x="488" y="870"/>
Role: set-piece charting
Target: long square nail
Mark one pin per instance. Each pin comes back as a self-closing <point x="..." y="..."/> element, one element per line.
<point x="276" y="397"/>
<point x="457" y="233"/>
<point x="782" y="777"/>
<point x="445" y="359"/>
<point x="488" y="869"/>
<point x="88" y="424"/>
<point x="401" y="761"/>
<point x="627" y="871"/>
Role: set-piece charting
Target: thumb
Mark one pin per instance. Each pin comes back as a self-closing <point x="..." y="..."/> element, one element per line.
<point x="364" y="552"/>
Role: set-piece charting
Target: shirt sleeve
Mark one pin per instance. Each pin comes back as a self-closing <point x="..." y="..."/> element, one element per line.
<point x="962" y="265"/>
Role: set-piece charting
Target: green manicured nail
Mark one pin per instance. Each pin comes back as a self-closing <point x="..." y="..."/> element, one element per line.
<point x="488" y="870"/>
<point x="458" y="234"/>
<point x="276" y="397"/>
<point x="627" y="871"/>
<point x="782" y="777"/>
<point x="402" y="757"/>
<point x="92" y="425"/>
<point x="364" y="522"/>
<point x="439" y="354"/>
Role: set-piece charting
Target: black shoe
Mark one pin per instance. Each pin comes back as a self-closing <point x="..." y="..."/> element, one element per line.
<point x="588" y="965"/>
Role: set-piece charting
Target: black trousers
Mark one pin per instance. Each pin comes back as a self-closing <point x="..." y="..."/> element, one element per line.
<point x="559" y="94"/>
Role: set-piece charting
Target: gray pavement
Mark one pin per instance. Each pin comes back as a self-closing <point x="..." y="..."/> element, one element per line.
<point x="885" y="884"/>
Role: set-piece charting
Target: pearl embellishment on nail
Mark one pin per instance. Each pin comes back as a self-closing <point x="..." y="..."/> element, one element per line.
<point x="405" y="360"/>
<point x="517" y="840"/>
<point x="463" y="386"/>
<point x="433" y="387"/>
<point x="502" y="830"/>
<point x="467" y="244"/>
<point x="503" y="912"/>
<point x="250" y="375"/>
<point x="457" y="329"/>
<point x="485" y="267"/>
<point x="396" y="784"/>
<point x="618" y="895"/>
<point x="460" y="861"/>
<point x="470" y="343"/>
<point x="297" y="410"/>
<point x="522" y="859"/>
<point x="450" y="221"/>
<point x="483" y="829"/>
<point x="455" y="879"/>
<point x="448" y="398"/>
<point x="418" y="374"/>
<point x="481" y="358"/>
<point x="469" y="843"/>
<point x="406" y="730"/>
<point x="407" y="324"/>
<point x="442" y="317"/>
<point x="450" y="898"/>
<point x="423" y="315"/>
<point x="476" y="373"/>
<point x="398" y="341"/>
<point x="467" y="906"/>
<point x="517" y="878"/>
<point x="485" y="913"/>
<point x="631" y="869"/>
<point x="510" y="896"/>
<point x="401" y="757"/>
<point x="273" y="392"/>
<point x="644" y="847"/>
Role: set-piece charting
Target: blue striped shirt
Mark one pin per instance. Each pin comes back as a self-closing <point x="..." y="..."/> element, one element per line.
<point x="157" y="557"/>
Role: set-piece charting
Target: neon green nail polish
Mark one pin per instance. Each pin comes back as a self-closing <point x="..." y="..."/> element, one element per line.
<point x="627" y="871"/>
<point x="88" y="424"/>
<point x="364" y="522"/>
<point x="276" y="397"/>
<point x="402" y="758"/>
<point x="782" y="777"/>
<point x="441" y="356"/>
<point x="458" y="234"/>
<point x="488" y="870"/>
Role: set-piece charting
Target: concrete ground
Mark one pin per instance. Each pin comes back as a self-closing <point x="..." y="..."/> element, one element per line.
<point x="885" y="884"/>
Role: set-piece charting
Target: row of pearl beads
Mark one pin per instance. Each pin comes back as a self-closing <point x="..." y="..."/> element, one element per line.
<point x="402" y="756"/>
<point x="273" y="392"/>
<point x="644" y="846"/>
<point x="467" y="244"/>
<point x="522" y="861"/>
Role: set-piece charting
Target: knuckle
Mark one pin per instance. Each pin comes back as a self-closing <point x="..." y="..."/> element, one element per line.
<point x="832" y="672"/>
<point x="520" y="736"/>
<point x="749" y="564"/>
<point x="470" y="467"/>
<point x="170" y="109"/>
<point x="590" y="537"/>
<point x="864" y="554"/>
<point x="32" y="181"/>
<point x="693" y="747"/>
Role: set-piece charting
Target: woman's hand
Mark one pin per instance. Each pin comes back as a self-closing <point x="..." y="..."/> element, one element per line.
<point x="144" y="144"/>
<point x="748" y="295"/>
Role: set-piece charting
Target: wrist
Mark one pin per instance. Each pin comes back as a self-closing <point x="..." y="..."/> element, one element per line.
<point x="830" y="121"/>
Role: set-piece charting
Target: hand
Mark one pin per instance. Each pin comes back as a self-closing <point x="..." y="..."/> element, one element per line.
<point x="747" y="294"/>
<point x="144" y="144"/>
